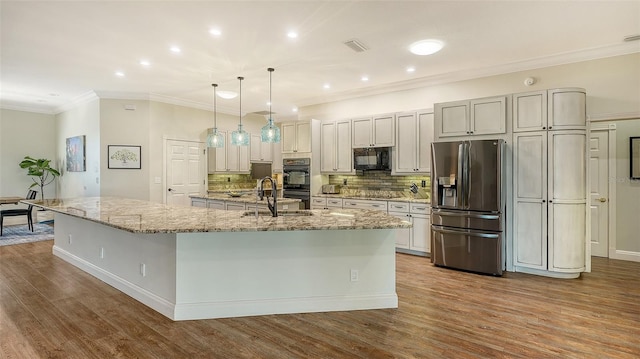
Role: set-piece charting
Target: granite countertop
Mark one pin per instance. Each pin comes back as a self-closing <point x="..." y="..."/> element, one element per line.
<point x="138" y="216"/>
<point x="372" y="198"/>
<point x="247" y="197"/>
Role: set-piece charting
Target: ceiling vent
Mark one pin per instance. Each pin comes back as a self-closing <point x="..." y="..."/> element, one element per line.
<point x="356" y="45"/>
<point x="263" y="113"/>
<point x="632" y="38"/>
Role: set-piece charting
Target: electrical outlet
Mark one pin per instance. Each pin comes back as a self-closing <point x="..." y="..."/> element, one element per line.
<point x="344" y="182"/>
<point x="143" y="270"/>
<point x="424" y="183"/>
<point x="101" y="253"/>
<point x="228" y="179"/>
<point x="354" y="275"/>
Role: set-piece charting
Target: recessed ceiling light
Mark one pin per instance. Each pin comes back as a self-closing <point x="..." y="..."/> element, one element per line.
<point x="411" y="69"/>
<point x="145" y="63"/>
<point x="119" y="74"/>
<point x="292" y="34"/>
<point x="215" y="32"/>
<point x="268" y="103"/>
<point x="175" y="49"/>
<point x="327" y="86"/>
<point x="365" y="78"/>
<point x="227" y="94"/>
<point x="295" y="109"/>
<point x="426" y="47"/>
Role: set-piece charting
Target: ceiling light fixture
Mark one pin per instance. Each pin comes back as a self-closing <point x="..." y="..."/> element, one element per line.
<point x="295" y="109"/>
<point x="270" y="133"/>
<point x="175" y="49"/>
<point x="215" y="32"/>
<point x="227" y="95"/>
<point x="411" y="69"/>
<point x="292" y="34"/>
<point x="426" y="47"/>
<point x="119" y="73"/>
<point x="365" y="78"/>
<point x="145" y="63"/>
<point x="214" y="138"/>
<point x="327" y="86"/>
<point x="240" y="137"/>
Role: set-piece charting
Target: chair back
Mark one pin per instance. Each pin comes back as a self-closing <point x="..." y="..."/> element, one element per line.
<point x="31" y="195"/>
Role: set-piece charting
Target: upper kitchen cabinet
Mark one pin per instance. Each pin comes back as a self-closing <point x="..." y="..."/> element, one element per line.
<point x="335" y="147"/>
<point x="414" y="135"/>
<point x="260" y="151"/>
<point x="377" y="131"/>
<point x="559" y="109"/>
<point x="228" y="159"/>
<point x="296" y="137"/>
<point x="484" y="116"/>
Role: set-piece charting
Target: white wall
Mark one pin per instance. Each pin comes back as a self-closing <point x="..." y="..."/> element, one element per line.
<point x="24" y="134"/>
<point x="81" y="120"/>
<point x="627" y="191"/>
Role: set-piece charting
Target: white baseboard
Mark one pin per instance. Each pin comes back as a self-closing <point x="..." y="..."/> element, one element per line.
<point x="624" y="255"/>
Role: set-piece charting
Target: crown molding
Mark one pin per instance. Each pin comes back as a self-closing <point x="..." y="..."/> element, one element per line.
<point x="34" y="109"/>
<point x="614" y="116"/>
<point x="77" y="101"/>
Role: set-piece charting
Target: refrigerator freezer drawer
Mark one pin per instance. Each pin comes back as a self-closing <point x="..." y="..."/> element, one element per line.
<point x="465" y="219"/>
<point x="466" y="249"/>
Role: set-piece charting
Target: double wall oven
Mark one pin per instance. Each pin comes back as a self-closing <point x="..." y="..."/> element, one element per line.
<point x="297" y="180"/>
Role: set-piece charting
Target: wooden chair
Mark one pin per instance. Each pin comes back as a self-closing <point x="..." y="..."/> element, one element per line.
<point x="20" y="212"/>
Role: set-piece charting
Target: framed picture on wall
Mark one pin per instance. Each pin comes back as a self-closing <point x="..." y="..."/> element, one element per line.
<point x="124" y="157"/>
<point x="634" y="156"/>
<point x="76" y="154"/>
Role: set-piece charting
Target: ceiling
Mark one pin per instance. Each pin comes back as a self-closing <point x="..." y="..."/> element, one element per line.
<point x="54" y="53"/>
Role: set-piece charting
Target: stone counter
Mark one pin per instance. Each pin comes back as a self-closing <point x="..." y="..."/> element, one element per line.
<point x="138" y="216"/>
<point x="370" y="198"/>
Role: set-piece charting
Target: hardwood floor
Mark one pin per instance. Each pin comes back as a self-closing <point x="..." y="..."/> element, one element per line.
<point x="50" y="309"/>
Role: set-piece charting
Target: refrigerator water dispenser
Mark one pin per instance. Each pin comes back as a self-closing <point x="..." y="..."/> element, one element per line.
<point x="447" y="191"/>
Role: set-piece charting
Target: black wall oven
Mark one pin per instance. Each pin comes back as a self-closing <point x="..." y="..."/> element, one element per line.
<point x="297" y="180"/>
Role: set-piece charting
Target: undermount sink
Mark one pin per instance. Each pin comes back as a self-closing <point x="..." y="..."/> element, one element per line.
<point x="280" y="213"/>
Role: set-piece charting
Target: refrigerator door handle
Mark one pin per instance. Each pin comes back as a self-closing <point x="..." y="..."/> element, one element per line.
<point x="464" y="231"/>
<point x="467" y="173"/>
<point x="461" y="180"/>
<point x="465" y="214"/>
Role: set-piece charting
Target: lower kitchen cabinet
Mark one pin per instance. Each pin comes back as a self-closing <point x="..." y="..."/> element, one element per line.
<point x="318" y="202"/>
<point x="415" y="240"/>
<point x="199" y="202"/>
<point x="215" y="204"/>
<point x="365" y="204"/>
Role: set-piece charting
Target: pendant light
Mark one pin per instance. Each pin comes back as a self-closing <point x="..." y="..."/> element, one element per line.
<point x="270" y="133"/>
<point x="215" y="138"/>
<point x="240" y="137"/>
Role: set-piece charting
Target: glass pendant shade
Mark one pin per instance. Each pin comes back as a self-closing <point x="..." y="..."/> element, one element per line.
<point x="214" y="138"/>
<point x="270" y="133"/>
<point x="240" y="137"/>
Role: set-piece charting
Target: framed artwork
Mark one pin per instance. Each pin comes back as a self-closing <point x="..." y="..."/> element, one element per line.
<point x="76" y="156"/>
<point x="124" y="157"/>
<point x="634" y="156"/>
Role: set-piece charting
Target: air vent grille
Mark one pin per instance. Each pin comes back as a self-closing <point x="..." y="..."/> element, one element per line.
<point x="263" y="113"/>
<point x="356" y="45"/>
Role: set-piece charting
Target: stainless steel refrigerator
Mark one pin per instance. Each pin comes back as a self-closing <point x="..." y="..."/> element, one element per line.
<point x="467" y="205"/>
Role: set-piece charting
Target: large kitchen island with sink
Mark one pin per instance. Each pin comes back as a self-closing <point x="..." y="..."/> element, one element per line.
<point x="196" y="263"/>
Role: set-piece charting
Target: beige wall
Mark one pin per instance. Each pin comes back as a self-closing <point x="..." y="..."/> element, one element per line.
<point x="627" y="199"/>
<point x="81" y="120"/>
<point x="24" y="134"/>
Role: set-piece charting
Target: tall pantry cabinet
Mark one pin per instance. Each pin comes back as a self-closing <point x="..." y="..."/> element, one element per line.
<point x="550" y="182"/>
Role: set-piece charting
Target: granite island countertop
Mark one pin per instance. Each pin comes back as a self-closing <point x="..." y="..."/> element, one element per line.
<point x="139" y="216"/>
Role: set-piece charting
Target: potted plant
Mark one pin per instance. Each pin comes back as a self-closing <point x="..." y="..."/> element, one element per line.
<point x="42" y="172"/>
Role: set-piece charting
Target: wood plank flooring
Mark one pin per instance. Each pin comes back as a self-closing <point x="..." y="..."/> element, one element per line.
<point x="50" y="309"/>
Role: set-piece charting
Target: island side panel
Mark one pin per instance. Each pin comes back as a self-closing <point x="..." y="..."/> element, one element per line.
<point x="140" y="265"/>
<point x="231" y="274"/>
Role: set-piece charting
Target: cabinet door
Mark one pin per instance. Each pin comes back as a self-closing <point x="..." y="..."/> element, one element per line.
<point x="276" y="164"/>
<point x="530" y="204"/>
<point x="288" y="137"/>
<point x="233" y="206"/>
<point x="384" y="130"/>
<point x="255" y="148"/>
<point x="328" y="147"/>
<point x="361" y="133"/>
<point x="406" y="150"/>
<point x="221" y="155"/>
<point x="199" y="202"/>
<point x="215" y="204"/>
<point x="244" y="164"/>
<point x="233" y="156"/>
<point x="303" y="137"/>
<point x="567" y="109"/>
<point x="403" y="235"/>
<point x="452" y="119"/>
<point x="318" y="202"/>
<point x="344" y="151"/>
<point x="420" y="233"/>
<point x="488" y="116"/>
<point x="425" y="138"/>
<point x="530" y="111"/>
<point x="334" y="202"/>
<point x="266" y="151"/>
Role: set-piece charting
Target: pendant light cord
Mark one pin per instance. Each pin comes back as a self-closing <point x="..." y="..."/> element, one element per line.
<point x="240" y="115"/>
<point x="270" y="72"/>
<point x="215" y="119"/>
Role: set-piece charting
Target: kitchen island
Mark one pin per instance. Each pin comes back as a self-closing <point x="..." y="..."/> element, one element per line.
<point x="196" y="263"/>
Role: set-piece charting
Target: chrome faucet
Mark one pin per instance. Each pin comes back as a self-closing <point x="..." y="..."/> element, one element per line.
<point x="273" y="207"/>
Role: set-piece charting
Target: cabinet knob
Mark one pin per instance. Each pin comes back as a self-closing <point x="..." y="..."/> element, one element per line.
<point x="550" y="201"/>
<point x="543" y="201"/>
<point x="602" y="199"/>
<point x="544" y="127"/>
<point x="549" y="127"/>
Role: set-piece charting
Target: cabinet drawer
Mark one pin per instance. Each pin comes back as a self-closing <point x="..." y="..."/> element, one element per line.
<point x="377" y="205"/>
<point x="398" y="207"/>
<point x="420" y="208"/>
<point x="334" y="202"/>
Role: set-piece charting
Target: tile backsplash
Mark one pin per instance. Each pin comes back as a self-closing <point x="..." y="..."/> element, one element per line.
<point x="382" y="184"/>
<point x="230" y="181"/>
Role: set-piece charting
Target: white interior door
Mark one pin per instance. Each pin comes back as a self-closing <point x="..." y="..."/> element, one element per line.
<point x="598" y="170"/>
<point x="185" y="171"/>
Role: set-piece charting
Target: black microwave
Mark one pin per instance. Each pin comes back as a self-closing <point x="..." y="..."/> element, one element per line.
<point x="376" y="158"/>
